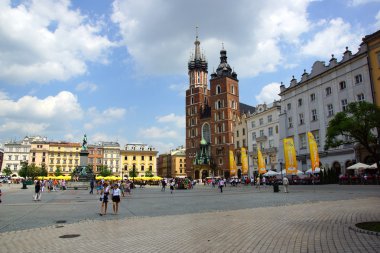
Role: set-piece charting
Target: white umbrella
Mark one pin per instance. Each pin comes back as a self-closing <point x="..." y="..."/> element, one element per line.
<point x="358" y="166"/>
<point x="297" y="173"/>
<point x="271" y="173"/>
<point x="310" y="171"/>
<point x="373" y="166"/>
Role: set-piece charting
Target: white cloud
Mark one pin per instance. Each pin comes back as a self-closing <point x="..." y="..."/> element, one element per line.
<point x="30" y="114"/>
<point x="160" y="46"/>
<point x="86" y="86"/>
<point x="158" y="133"/>
<point x="377" y="24"/>
<point x="269" y="93"/>
<point x="107" y="116"/>
<point x="333" y="39"/>
<point x="355" y="3"/>
<point x="179" y="121"/>
<point x="46" y="40"/>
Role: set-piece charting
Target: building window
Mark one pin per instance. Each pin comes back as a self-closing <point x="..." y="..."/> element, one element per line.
<point x="316" y="136"/>
<point x="243" y="131"/>
<point x="237" y="133"/>
<point x="134" y="158"/>
<point x="302" y="139"/>
<point x="232" y="89"/>
<point x="218" y="89"/>
<point x="328" y="91"/>
<point x="300" y="102"/>
<point x="261" y="133"/>
<point x="269" y="118"/>
<point x="270" y="131"/>
<point x="314" y="114"/>
<point x="142" y="158"/>
<point x="142" y="167"/>
<point x="253" y="135"/>
<point x="253" y="124"/>
<point x="302" y="121"/>
<point x="312" y="97"/>
<point x="271" y="143"/>
<point x="289" y="106"/>
<point x="342" y="85"/>
<point x="244" y="143"/>
<point x="192" y="100"/>
<point x="261" y="121"/>
<point x="238" y="144"/>
<point x="358" y="79"/>
<point x="360" y="97"/>
<point x="290" y="122"/>
<point x="330" y="110"/>
<point x="344" y="105"/>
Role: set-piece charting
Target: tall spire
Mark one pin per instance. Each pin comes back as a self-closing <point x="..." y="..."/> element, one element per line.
<point x="197" y="43"/>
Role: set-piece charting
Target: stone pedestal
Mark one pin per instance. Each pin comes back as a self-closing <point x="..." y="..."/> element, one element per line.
<point x="83" y="162"/>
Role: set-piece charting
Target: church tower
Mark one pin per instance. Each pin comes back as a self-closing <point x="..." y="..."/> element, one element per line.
<point x="197" y="108"/>
<point x="224" y="102"/>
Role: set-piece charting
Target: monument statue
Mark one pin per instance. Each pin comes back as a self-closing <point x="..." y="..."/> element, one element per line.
<point x="84" y="143"/>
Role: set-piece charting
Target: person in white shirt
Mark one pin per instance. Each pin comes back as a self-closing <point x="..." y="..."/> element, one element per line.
<point x="115" y="198"/>
<point x="221" y="185"/>
<point x="285" y="182"/>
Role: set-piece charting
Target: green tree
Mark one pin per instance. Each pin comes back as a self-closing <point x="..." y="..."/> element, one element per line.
<point x="133" y="173"/>
<point x="33" y="171"/>
<point x="58" y="172"/>
<point x="104" y="171"/>
<point x="43" y="170"/>
<point x="7" y="171"/>
<point x="23" y="172"/>
<point x="149" y="173"/>
<point x="360" y="123"/>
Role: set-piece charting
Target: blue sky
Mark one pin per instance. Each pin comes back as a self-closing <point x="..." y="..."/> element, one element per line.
<point x="117" y="70"/>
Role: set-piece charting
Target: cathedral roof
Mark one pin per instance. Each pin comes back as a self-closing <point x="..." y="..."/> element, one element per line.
<point x="224" y="68"/>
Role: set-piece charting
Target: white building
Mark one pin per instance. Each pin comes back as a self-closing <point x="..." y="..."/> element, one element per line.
<point x="111" y="156"/>
<point x="16" y="152"/>
<point x="263" y="132"/>
<point x="308" y="105"/>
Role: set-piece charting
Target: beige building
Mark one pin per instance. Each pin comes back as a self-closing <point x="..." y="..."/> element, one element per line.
<point x="172" y="164"/>
<point x="62" y="155"/>
<point x="139" y="158"/>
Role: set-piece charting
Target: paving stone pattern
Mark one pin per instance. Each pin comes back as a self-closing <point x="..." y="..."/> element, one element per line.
<point x="318" y="226"/>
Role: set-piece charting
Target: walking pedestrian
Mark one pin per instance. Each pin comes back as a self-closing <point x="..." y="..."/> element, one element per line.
<point x="172" y="183"/>
<point x="163" y="182"/>
<point x="221" y="185"/>
<point x="37" y="191"/>
<point x="285" y="182"/>
<point x="258" y="182"/>
<point x="115" y="198"/>
<point x="104" y="199"/>
<point x="92" y="185"/>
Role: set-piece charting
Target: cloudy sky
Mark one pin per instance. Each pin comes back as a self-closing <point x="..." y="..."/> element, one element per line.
<point x="117" y="70"/>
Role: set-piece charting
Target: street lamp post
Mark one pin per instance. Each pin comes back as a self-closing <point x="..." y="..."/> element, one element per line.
<point x="282" y="177"/>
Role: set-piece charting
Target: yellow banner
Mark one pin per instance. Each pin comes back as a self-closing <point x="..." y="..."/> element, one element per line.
<point x="244" y="161"/>
<point x="232" y="164"/>
<point x="260" y="162"/>
<point x="290" y="156"/>
<point x="314" y="156"/>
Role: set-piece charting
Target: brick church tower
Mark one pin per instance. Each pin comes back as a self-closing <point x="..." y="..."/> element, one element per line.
<point x="210" y="114"/>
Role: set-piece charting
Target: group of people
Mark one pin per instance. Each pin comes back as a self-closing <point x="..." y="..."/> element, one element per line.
<point x="51" y="185"/>
<point x="110" y="190"/>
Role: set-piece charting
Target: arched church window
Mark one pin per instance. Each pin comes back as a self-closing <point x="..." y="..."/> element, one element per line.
<point x="206" y="132"/>
<point x="199" y="77"/>
<point x="218" y="89"/>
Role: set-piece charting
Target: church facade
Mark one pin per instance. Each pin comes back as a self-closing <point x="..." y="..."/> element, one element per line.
<point x="211" y="111"/>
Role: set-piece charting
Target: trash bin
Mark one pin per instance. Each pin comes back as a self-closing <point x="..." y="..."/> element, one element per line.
<point x="275" y="187"/>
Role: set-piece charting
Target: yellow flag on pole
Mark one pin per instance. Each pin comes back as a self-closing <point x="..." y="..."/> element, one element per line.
<point x="244" y="161"/>
<point x="290" y="156"/>
<point x="232" y="164"/>
<point x="260" y="162"/>
<point x="314" y="156"/>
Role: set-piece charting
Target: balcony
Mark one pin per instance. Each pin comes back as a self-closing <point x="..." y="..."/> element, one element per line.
<point x="261" y="138"/>
<point x="269" y="150"/>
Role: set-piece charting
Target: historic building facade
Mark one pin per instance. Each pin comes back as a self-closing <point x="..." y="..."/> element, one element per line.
<point x="172" y="164"/>
<point x="95" y="157"/>
<point x="140" y="159"/>
<point x="63" y="156"/>
<point x="309" y="105"/>
<point x="263" y="133"/>
<point x="210" y="116"/>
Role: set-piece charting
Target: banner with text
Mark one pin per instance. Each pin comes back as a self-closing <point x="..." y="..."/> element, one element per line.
<point x="314" y="156"/>
<point x="260" y="162"/>
<point x="290" y="156"/>
<point x="244" y="161"/>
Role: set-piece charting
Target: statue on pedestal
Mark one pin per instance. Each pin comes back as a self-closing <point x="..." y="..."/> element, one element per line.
<point x="84" y="143"/>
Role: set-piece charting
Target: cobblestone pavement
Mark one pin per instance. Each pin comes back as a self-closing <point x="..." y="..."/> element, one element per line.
<point x="289" y="225"/>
